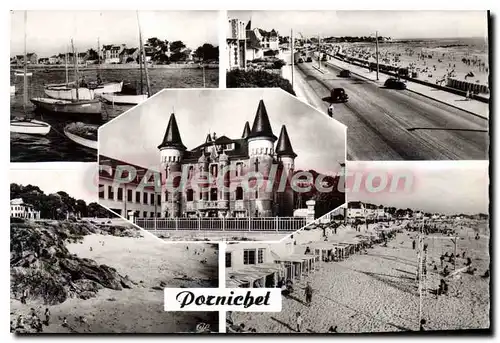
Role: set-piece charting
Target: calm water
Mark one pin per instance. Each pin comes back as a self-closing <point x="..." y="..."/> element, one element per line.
<point x="55" y="146"/>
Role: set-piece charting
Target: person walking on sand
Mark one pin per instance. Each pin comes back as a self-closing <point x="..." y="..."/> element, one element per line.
<point x="414" y="244"/>
<point x="309" y="293"/>
<point x="299" y="321"/>
<point x="47" y="316"/>
<point x="24" y="296"/>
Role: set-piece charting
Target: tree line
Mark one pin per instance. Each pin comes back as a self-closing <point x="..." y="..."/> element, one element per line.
<point x="57" y="205"/>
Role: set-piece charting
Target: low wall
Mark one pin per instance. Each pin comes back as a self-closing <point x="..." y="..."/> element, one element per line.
<point x="361" y="63"/>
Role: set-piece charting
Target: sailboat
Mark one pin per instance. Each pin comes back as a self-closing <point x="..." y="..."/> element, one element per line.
<point x="78" y="106"/>
<point x="26" y="125"/>
<point x="68" y="90"/>
<point x="133" y="99"/>
<point x="104" y="87"/>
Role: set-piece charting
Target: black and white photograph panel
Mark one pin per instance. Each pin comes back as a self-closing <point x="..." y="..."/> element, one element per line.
<point x="72" y="71"/>
<point x="233" y="164"/>
<point x="412" y="260"/>
<point x="409" y="85"/>
<point x="76" y="267"/>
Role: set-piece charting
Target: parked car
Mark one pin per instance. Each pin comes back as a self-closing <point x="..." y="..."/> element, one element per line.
<point x="338" y="95"/>
<point x="394" y="83"/>
<point x="309" y="59"/>
<point x="345" y="73"/>
<point x="300" y="60"/>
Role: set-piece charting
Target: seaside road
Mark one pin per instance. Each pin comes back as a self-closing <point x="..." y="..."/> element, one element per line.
<point x="386" y="124"/>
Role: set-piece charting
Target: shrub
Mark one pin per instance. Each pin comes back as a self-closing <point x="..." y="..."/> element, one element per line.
<point x="257" y="79"/>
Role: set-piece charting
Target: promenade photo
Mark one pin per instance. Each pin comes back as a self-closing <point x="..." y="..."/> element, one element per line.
<point x="76" y="267"/>
<point x="409" y="85"/>
<point x="68" y="77"/>
<point x="252" y="164"/>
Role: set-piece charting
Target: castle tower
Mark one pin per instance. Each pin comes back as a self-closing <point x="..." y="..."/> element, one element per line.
<point x="261" y="150"/>
<point x="286" y="158"/>
<point x="171" y="153"/>
<point x="246" y="131"/>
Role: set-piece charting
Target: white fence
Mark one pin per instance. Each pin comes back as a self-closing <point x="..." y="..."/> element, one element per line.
<point x="276" y="224"/>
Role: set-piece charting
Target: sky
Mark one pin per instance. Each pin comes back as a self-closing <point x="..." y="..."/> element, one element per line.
<point x="449" y="187"/>
<point x="134" y="136"/>
<point x="49" y="32"/>
<point x="76" y="179"/>
<point x="396" y="24"/>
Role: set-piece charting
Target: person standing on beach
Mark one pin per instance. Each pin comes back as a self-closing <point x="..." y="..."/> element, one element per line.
<point x="299" y="321"/>
<point x="309" y="293"/>
<point x="47" y="316"/>
<point x="413" y="244"/>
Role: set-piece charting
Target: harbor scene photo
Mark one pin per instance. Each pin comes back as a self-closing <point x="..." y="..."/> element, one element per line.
<point x="80" y="78"/>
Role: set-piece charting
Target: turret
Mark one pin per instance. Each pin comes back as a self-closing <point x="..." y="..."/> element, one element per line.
<point x="261" y="150"/>
<point x="246" y="131"/>
<point x="261" y="138"/>
<point x="171" y="152"/>
<point x="286" y="157"/>
<point x="284" y="150"/>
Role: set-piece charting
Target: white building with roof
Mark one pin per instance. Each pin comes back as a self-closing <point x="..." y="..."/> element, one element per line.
<point x="19" y="209"/>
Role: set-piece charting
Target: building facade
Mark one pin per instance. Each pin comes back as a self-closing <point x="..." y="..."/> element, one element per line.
<point x="132" y="195"/>
<point x="111" y="53"/>
<point x="214" y="173"/>
<point x="236" y="44"/>
<point x="19" y="209"/>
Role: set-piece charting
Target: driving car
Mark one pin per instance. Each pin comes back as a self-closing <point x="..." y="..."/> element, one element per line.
<point x="345" y="73"/>
<point x="394" y="83"/>
<point x="338" y="95"/>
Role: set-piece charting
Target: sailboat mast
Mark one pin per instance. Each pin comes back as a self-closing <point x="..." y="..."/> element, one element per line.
<point x="76" y="69"/>
<point x="141" y="46"/>
<point x="98" y="58"/>
<point x="66" y="66"/>
<point x="25" y="81"/>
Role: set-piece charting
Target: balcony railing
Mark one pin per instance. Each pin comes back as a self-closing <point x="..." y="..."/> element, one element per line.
<point x="268" y="224"/>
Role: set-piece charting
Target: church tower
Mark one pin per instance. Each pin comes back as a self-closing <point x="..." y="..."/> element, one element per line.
<point x="261" y="151"/>
<point x="171" y="153"/>
<point x="286" y="158"/>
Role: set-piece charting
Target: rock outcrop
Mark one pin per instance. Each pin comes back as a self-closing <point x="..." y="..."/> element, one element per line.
<point x="41" y="264"/>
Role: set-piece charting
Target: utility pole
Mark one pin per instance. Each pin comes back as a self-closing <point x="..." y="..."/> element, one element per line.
<point x="319" y="53"/>
<point x="292" y="52"/>
<point x="376" y="50"/>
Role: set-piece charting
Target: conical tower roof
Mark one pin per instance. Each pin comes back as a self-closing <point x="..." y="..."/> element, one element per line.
<point x="172" y="138"/>
<point x="261" y="125"/>
<point x="246" y="131"/>
<point x="284" y="147"/>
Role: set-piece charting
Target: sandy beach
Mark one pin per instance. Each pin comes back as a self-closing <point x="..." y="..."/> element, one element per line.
<point x="151" y="265"/>
<point x="433" y="62"/>
<point x="377" y="292"/>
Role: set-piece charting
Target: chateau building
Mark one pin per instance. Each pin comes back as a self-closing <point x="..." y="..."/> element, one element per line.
<point x="229" y="161"/>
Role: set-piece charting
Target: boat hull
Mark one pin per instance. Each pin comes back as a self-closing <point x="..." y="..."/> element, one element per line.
<point x="91" y="144"/>
<point x="66" y="93"/>
<point x="33" y="127"/>
<point x="124" y="99"/>
<point x="70" y="107"/>
<point x="109" y="87"/>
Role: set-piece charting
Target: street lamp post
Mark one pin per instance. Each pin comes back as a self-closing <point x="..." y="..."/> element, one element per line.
<point x="292" y="53"/>
<point x="376" y="50"/>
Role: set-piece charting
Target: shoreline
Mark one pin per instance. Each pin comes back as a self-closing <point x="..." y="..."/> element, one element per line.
<point x="43" y="67"/>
